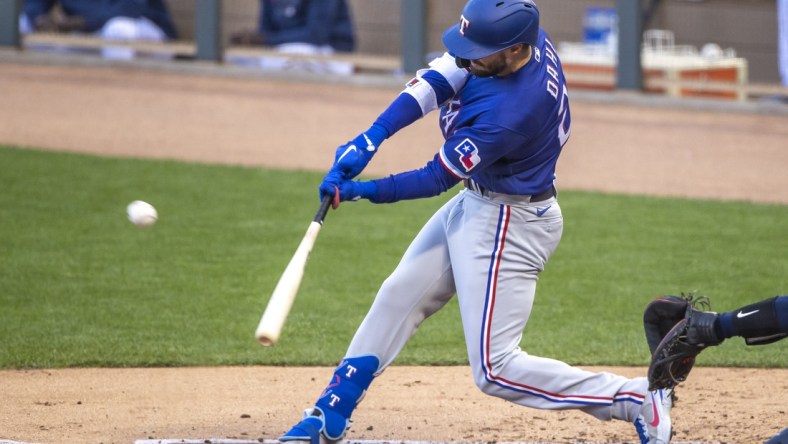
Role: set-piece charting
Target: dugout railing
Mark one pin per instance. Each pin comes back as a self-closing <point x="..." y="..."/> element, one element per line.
<point x="630" y="69"/>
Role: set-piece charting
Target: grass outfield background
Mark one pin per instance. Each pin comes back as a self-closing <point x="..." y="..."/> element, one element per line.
<point x="80" y="286"/>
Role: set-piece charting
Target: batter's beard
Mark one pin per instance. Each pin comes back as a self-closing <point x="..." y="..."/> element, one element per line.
<point x="491" y="69"/>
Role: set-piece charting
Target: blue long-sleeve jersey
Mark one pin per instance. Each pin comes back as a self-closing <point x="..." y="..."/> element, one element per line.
<point x="98" y="12"/>
<point x="505" y="133"/>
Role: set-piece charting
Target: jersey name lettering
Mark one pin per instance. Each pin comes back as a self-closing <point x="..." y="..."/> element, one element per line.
<point x="451" y="113"/>
<point x="549" y="51"/>
<point x="555" y="88"/>
<point x="552" y="69"/>
<point x="552" y="85"/>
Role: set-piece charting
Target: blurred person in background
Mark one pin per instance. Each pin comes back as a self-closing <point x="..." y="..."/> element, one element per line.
<point x="122" y="20"/>
<point x="301" y="27"/>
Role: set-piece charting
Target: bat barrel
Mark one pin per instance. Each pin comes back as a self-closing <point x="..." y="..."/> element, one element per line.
<point x="284" y="294"/>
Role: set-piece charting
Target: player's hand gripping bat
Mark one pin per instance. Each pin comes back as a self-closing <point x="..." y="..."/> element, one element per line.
<point x="284" y="294"/>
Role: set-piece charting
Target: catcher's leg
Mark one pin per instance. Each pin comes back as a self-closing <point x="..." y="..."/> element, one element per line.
<point x="760" y="323"/>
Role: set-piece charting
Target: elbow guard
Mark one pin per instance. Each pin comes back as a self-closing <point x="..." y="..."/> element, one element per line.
<point x="432" y="87"/>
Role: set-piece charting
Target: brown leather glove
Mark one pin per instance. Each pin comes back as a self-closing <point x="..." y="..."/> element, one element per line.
<point x="676" y="333"/>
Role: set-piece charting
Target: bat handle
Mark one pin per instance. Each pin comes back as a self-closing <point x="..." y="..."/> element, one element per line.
<point x="325" y="204"/>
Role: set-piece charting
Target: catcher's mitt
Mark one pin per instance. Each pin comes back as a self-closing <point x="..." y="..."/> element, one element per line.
<point x="676" y="332"/>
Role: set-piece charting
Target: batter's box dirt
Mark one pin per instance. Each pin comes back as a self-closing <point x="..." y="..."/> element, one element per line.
<point x="269" y="441"/>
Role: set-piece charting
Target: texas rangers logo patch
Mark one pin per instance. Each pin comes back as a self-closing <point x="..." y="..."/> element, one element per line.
<point x="469" y="154"/>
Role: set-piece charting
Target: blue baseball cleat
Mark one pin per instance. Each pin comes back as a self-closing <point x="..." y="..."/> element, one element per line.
<point x="309" y="430"/>
<point x="781" y="438"/>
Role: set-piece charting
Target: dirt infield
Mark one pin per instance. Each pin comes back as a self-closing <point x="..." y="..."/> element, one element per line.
<point x="614" y="147"/>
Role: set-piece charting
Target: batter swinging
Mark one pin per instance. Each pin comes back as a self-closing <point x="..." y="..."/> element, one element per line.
<point x="505" y="117"/>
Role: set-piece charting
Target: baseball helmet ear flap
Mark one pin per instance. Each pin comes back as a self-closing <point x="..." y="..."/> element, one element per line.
<point x="489" y="26"/>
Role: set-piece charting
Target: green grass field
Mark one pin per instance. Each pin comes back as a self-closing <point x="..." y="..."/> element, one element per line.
<point x="80" y="286"/>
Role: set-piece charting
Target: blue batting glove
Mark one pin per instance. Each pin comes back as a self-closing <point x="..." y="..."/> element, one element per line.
<point x="330" y="183"/>
<point x="346" y="190"/>
<point x="353" y="190"/>
<point x="351" y="158"/>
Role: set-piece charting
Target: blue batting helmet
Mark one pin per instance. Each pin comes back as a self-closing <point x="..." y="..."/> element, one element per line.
<point x="489" y="26"/>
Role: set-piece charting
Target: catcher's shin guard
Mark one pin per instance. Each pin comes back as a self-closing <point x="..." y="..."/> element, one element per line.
<point x="330" y="418"/>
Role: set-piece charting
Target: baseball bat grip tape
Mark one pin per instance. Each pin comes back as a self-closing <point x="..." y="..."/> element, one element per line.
<point x="325" y="204"/>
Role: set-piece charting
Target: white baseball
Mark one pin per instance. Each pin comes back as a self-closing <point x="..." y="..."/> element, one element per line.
<point x="142" y="214"/>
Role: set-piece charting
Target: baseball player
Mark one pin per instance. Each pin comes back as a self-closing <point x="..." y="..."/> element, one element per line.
<point x="505" y="116"/>
<point x="302" y="26"/>
<point x="677" y="332"/>
<point x="760" y="323"/>
<point x="147" y="20"/>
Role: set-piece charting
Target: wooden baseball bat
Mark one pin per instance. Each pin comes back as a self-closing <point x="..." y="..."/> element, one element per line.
<point x="284" y="294"/>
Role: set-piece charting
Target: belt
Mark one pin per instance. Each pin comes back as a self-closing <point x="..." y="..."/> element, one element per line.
<point x="525" y="198"/>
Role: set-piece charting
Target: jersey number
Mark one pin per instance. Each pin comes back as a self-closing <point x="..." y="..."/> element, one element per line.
<point x="563" y="112"/>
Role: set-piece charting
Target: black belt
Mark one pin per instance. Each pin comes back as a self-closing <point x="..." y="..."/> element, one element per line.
<point x="539" y="197"/>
